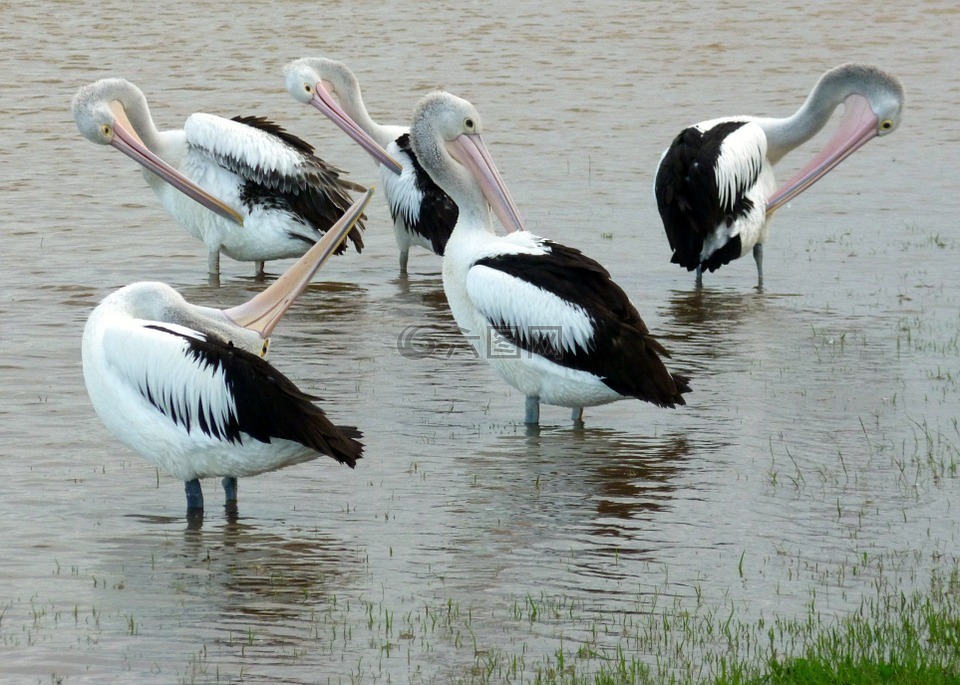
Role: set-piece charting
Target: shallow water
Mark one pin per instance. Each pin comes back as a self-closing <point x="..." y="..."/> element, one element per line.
<point x="820" y="434"/>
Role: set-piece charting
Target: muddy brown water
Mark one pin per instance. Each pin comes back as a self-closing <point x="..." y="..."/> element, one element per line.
<point x="820" y="434"/>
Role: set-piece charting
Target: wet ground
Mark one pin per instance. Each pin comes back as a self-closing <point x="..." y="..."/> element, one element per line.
<point x="817" y="452"/>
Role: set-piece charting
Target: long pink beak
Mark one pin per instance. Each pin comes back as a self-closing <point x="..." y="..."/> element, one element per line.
<point x="263" y="312"/>
<point x="129" y="143"/>
<point x="859" y="125"/>
<point x="470" y="150"/>
<point x="324" y="102"/>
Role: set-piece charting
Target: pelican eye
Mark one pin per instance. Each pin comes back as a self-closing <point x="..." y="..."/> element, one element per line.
<point x="264" y="347"/>
<point x="886" y="125"/>
<point x="307" y="87"/>
<point x="106" y="130"/>
<point x="468" y="124"/>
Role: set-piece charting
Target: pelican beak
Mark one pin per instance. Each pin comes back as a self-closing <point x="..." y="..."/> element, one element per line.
<point x="324" y="102"/>
<point x="470" y="151"/>
<point x="859" y="125"/>
<point x="129" y="143"/>
<point x="263" y="312"/>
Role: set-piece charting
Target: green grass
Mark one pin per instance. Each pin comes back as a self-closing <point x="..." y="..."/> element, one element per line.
<point x="893" y="637"/>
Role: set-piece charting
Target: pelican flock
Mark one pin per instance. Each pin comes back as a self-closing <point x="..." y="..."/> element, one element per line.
<point x="423" y="215"/>
<point x="244" y="186"/>
<point x="715" y="187"/>
<point x="187" y="387"/>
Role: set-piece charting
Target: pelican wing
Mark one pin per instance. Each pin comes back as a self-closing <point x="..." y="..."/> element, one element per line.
<point x="703" y="190"/>
<point x="562" y="305"/>
<point x="277" y="169"/>
<point x="154" y="361"/>
<point x="212" y="388"/>
<point x="419" y="203"/>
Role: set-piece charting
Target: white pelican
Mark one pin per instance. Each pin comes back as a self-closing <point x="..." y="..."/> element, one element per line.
<point x="271" y="197"/>
<point x="549" y="320"/>
<point x="186" y="386"/>
<point x="422" y="214"/>
<point x="715" y="185"/>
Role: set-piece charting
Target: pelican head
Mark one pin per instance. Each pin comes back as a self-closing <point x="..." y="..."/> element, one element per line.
<point x="114" y="112"/>
<point x="324" y="84"/>
<point x="445" y="135"/>
<point x="873" y="106"/>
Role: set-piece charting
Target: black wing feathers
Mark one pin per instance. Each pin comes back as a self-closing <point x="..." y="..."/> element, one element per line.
<point x="319" y="197"/>
<point x="438" y="213"/>
<point x="688" y="196"/>
<point x="268" y="404"/>
<point x="622" y="352"/>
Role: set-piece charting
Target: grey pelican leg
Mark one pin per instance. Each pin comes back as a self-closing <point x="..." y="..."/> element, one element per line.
<point x="404" y="257"/>
<point x="699" y="281"/>
<point x="230" y="499"/>
<point x="230" y="489"/>
<point x="213" y="262"/>
<point x="532" y="415"/>
<point x="194" y="495"/>
<point x="577" y="416"/>
<point x="758" y="258"/>
<point x="261" y="269"/>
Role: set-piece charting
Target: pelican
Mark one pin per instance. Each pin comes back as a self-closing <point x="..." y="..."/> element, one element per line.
<point x="550" y="320"/>
<point x="423" y="215"/>
<point x="715" y="187"/>
<point x="262" y="193"/>
<point x="186" y="386"/>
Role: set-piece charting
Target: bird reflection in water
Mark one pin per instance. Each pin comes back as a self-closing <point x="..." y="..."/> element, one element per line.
<point x="566" y="501"/>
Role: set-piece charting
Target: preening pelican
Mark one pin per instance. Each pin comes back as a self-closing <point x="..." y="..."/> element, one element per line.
<point x="262" y="192"/>
<point x="550" y="320"/>
<point x="715" y="187"/>
<point x="186" y="385"/>
<point x="422" y="214"/>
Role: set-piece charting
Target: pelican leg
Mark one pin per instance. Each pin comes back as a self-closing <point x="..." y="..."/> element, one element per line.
<point x="404" y="257"/>
<point x="230" y="500"/>
<point x="194" y="495"/>
<point x="213" y="262"/>
<point x="577" y="416"/>
<point x="699" y="281"/>
<point x="532" y="416"/>
<point x="758" y="258"/>
<point x="261" y="269"/>
<point x="230" y="489"/>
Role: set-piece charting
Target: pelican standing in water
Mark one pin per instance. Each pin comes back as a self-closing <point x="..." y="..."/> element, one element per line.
<point x="715" y="187"/>
<point x="422" y="213"/>
<point x="244" y="186"/>
<point x="186" y="386"/>
<point x="549" y="319"/>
